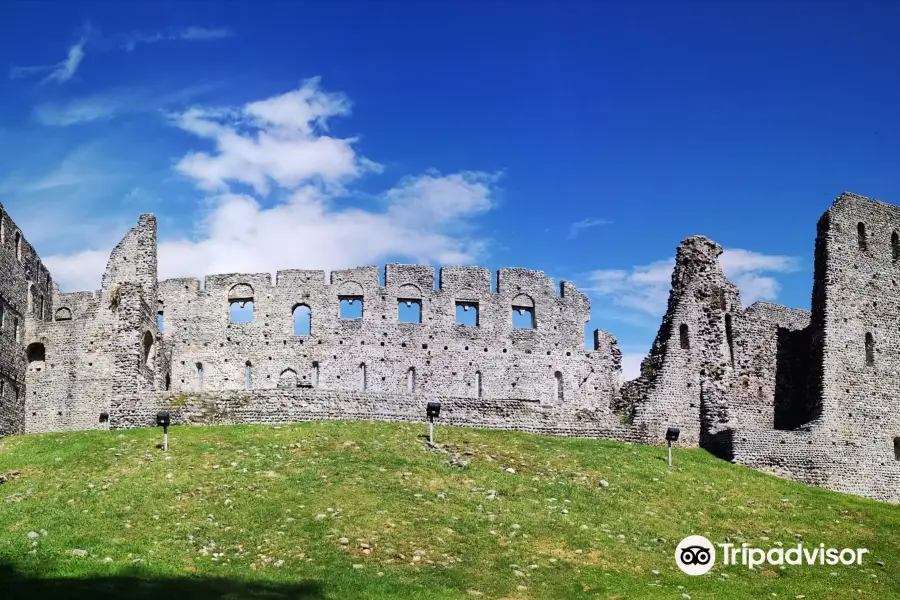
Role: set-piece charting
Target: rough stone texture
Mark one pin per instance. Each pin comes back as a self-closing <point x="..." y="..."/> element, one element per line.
<point x="26" y="299"/>
<point x="94" y="345"/>
<point x="806" y="395"/>
<point x="376" y="353"/>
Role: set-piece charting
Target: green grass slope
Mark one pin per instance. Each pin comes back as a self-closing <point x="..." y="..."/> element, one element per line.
<point x="366" y="510"/>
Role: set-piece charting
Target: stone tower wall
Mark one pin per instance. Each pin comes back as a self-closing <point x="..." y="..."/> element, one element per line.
<point x="94" y="344"/>
<point x="26" y="298"/>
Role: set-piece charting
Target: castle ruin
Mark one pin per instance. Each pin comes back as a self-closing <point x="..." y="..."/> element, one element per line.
<point x="807" y="395"/>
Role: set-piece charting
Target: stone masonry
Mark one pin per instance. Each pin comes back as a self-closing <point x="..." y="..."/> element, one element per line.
<point x="807" y="395"/>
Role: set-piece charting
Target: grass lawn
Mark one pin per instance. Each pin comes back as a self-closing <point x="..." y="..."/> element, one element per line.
<point x="366" y="510"/>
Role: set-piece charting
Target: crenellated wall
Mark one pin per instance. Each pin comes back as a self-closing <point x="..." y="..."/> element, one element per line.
<point x="809" y="395"/>
<point x="488" y="359"/>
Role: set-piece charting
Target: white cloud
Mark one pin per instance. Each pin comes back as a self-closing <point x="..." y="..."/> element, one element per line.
<point x="579" y="226"/>
<point x="645" y="288"/>
<point x="115" y="102"/>
<point x="60" y="72"/>
<point x="282" y="141"/>
<point x="196" y="34"/>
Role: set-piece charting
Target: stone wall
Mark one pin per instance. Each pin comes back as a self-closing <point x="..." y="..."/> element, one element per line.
<point x="296" y="405"/>
<point x="26" y="298"/>
<point x="489" y="359"/>
<point x="94" y="347"/>
<point x="805" y="394"/>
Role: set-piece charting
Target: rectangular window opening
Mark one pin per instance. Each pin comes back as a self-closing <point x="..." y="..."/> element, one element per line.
<point x="351" y="307"/>
<point x="523" y="317"/>
<point x="241" y="311"/>
<point x="409" y="311"/>
<point x="467" y="314"/>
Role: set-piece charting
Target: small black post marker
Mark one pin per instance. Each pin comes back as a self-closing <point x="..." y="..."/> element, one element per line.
<point x="432" y="411"/>
<point x="671" y="436"/>
<point x="162" y="420"/>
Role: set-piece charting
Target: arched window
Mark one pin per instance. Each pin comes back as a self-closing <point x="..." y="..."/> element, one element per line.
<point x="302" y="320"/>
<point x="729" y="337"/>
<point x="64" y="314"/>
<point x="411" y="380"/>
<point x="409" y="311"/>
<point x="148" y="349"/>
<point x="240" y="303"/>
<point x="19" y="245"/>
<point x="861" y="238"/>
<point x="199" y="377"/>
<point x="895" y="246"/>
<point x="478" y="382"/>
<point x="683" y="337"/>
<point x="287" y="379"/>
<point x="248" y="374"/>
<point x="558" y="386"/>
<point x="870" y="350"/>
<point x="362" y="377"/>
<point x="523" y="312"/>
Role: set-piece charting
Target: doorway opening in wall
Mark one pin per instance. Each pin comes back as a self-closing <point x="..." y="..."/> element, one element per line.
<point x="36" y="352"/>
<point x="897" y="448"/>
<point x="148" y="349"/>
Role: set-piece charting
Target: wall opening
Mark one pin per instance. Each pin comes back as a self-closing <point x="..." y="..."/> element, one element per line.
<point x="168" y="381"/>
<point x="199" y="377"/>
<point x="684" y="337"/>
<point x="895" y="246"/>
<point x="558" y="386"/>
<point x="409" y="311"/>
<point x="467" y="314"/>
<point x="411" y="380"/>
<point x="861" y="238"/>
<point x="478" y="382"/>
<point x="302" y="320"/>
<point x="729" y="337"/>
<point x="523" y="318"/>
<point x="104" y="417"/>
<point x="362" y="377"/>
<point x="248" y="375"/>
<point x="351" y="307"/>
<point x="523" y="314"/>
<point x="148" y="349"/>
<point x="241" y="311"/>
<point x="315" y="374"/>
<point x="287" y="379"/>
<point x="160" y="321"/>
<point x="897" y="448"/>
<point x="41" y="307"/>
<point x="64" y="314"/>
<point x="19" y="245"/>
<point x="870" y="350"/>
<point x="16" y="328"/>
<point x="2" y="316"/>
<point x="36" y="352"/>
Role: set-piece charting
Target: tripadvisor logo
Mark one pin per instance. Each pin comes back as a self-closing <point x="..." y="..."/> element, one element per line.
<point x="696" y="555"/>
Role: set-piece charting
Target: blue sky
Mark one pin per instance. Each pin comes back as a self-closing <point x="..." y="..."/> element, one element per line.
<point x="585" y="139"/>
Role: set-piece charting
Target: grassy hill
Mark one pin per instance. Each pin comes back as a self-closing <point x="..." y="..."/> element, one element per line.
<point x="365" y="510"/>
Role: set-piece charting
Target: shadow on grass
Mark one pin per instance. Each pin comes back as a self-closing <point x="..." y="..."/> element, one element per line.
<point x="17" y="585"/>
